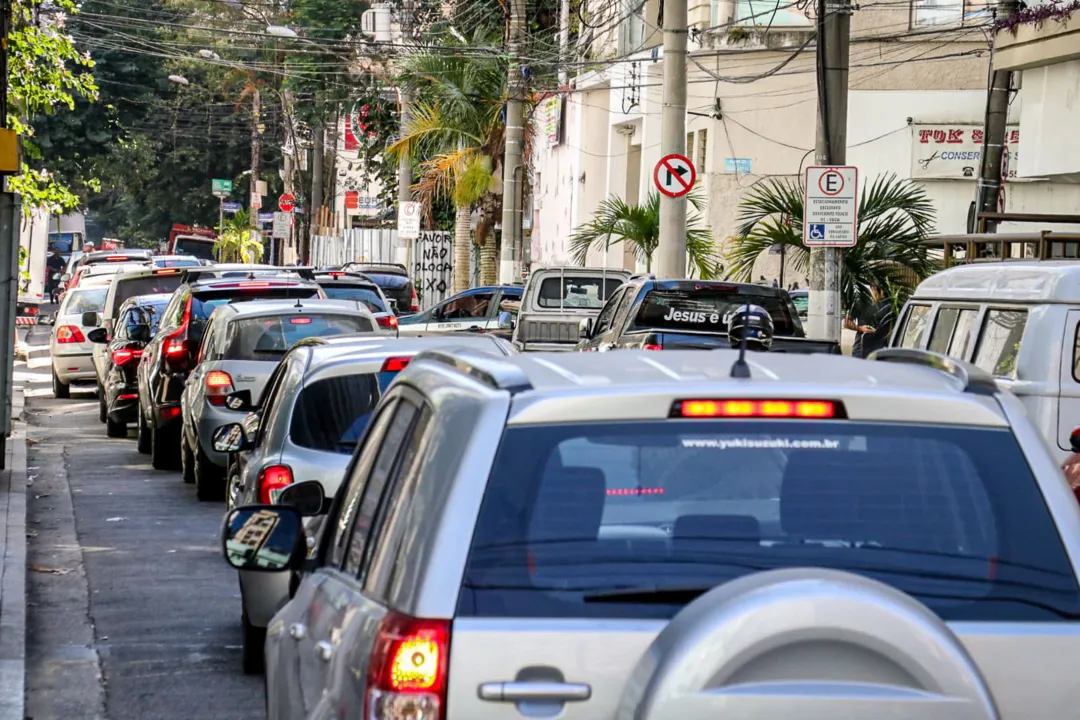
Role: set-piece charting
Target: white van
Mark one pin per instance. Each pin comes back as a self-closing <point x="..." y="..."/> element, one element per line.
<point x="1017" y="320"/>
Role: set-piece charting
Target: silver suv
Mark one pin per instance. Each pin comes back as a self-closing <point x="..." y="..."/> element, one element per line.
<point x="680" y="535"/>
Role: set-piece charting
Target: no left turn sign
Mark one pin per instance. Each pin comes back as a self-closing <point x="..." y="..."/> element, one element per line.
<point x="674" y="175"/>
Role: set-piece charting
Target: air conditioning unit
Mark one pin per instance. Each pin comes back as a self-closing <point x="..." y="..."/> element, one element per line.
<point x="375" y="23"/>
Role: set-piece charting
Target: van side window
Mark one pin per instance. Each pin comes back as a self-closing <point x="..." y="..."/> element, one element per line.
<point x="942" y="333"/>
<point x="1076" y="354"/>
<point x="999" y="341"/>
<point x="964" y="333"/>
<point x="952" y="331"/>
<point x="914" y="324"/>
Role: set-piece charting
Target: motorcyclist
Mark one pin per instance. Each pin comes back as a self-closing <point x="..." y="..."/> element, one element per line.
<point x="755" y="324"/>
<point x="54" y="267"/>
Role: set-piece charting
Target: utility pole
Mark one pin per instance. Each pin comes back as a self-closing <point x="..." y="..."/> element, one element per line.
<point x="317" y="158"/>
<point x="671" y="252"/>
<point x="997" y="118"/>
<point x="511" y="198"/>
<point x="833" y="43"/>
<point x="256" y="151"/>
<point x="10" y="210"/>
<point x="404" y="162"/>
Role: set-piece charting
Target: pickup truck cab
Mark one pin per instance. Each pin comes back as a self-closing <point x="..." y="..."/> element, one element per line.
<point x="556" y="300"/>
<point x="651" y="314"/>
<point x="1018" y="321"/>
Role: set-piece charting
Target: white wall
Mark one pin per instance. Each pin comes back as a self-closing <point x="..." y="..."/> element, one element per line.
<point x="880" y="141"/>
<point x="1049" y="118"/>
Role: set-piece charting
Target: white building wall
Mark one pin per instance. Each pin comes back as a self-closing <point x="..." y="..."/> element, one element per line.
<point x="1049" y="117"/>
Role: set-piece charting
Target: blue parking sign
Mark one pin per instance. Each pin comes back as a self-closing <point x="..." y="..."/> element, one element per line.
<point x="817" y="232"/>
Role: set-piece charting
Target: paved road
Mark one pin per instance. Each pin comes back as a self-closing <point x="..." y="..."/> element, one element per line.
<point x="133" y="613"/>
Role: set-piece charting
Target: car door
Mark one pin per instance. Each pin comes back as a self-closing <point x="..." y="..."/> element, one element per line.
<point x="466" y="311"/>
<point x="325" y="602"/>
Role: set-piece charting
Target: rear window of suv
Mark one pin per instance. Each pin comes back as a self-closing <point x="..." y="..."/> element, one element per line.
<point x="269" y="338"/>
<point x="635" y="519"/>
<point x="356" y="293"/>
<point x="331" y="415"/>
<point x="709" y="310"/>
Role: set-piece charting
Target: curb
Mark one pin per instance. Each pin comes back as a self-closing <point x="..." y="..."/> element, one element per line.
<point x="13" y="569"/>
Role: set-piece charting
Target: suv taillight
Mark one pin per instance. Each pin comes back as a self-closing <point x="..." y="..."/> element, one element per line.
<point x="273" y="479"/>
<point x="407" y="670"/>
<point x="414" y="304"/>
<point x="387" y="321"/>
<point x="218" y="385"/>
<point x="69" y="334"/>
<point x="125" y="355"/>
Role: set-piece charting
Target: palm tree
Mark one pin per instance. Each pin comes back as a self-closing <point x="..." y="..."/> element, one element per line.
<point x="237" y="241"/>
<point x="639" y="225"/>
<point x="456" y="123"/>
<point x="895" y="216"/>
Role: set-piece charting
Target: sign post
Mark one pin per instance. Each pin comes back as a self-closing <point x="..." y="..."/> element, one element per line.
<point x="674" y="175"/>
<point x="221" y="189"/>
<point x="408" y="220"/>
<point x="831" y="206"/>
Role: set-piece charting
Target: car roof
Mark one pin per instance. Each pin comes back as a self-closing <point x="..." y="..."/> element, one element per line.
<point x="642" y="384"/>
<point x="263" y="308"/>
<point x="112" y="269"/>
<point x="355" y="354"/>
<point x="1027" y="282"/>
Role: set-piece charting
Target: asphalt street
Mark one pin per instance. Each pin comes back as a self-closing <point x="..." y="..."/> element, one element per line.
<point x="133" y="613"/>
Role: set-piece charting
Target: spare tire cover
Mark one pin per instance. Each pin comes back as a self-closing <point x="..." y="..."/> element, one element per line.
<point x="809" y="643"/>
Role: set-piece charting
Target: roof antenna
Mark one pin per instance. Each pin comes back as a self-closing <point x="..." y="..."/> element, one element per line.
<point x="740" y="369"/>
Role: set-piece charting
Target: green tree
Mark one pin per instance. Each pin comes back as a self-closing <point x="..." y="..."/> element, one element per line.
<point x="895" y="216"/>
<point x="639" y="226"/>
<point x="237" y="242"/>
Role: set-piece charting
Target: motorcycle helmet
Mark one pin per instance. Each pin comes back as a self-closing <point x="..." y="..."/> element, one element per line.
<point x="754" y="323"/>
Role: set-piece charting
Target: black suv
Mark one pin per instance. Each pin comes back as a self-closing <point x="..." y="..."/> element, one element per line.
<point x="393" y="279"/>
<point x="170" y="357"/>
<point x="354" y="286"/>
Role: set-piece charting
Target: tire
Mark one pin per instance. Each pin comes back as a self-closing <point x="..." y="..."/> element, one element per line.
<point x="187" y="461"/>
<point x="115" y="429"/>
<point x="164" y="449"/>
<point x="142" y="444"/>
<point x="252" y="648"/>
<point x="209" y="478"/>
<point x="103" y="408"/>
<point x="60" y="391"/>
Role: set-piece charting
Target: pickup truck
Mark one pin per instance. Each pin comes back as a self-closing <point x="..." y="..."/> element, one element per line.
<point x="555" y="302"/>
<point x="654" y="314"/>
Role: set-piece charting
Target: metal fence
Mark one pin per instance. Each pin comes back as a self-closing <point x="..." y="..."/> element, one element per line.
<point x="359" y="245"/>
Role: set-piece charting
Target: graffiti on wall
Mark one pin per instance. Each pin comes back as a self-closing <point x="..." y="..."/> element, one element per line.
<point x="433" y="266"/>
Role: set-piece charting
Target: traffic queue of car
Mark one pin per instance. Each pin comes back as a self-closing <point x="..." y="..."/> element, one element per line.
<point x="429" y="520"/>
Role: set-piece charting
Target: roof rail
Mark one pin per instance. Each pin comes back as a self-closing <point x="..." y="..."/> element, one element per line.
<point x="485" y="368"/>
<point x="974" y="380"/>
<point x="194" y="273"/>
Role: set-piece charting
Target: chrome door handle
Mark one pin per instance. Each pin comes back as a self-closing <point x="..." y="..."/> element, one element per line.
<point x="298" y="631"/>
<point x="534" y="691"/>
<point x="324" y="650"/>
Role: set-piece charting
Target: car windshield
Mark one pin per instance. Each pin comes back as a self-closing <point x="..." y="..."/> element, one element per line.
<point x="91" y="299"/>
<point x="177" y="262"/>
<point x="612" y="520"/>
<point x="357" y="293"/>
<point x="127" y="288"/>
<point x="331" y="415"/>
<point x="572" y="291"/>
<point x="268" y="338"/>
<point x="198" y="248"/>
<point x="709" y="310"/>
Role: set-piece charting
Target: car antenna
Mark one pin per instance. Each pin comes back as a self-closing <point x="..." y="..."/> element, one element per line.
<point x="740" y="369"/>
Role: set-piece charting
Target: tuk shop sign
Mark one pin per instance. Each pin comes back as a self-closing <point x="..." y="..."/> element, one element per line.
<point x="953" y="152"/>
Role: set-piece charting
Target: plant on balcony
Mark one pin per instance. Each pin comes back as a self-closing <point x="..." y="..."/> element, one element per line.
<point x="616" y="221"/>
<point x="1037" y="15"/>
<point x="895" y="216"/>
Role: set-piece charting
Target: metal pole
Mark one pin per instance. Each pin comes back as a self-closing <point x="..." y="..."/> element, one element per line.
<point x="256" y="151"/>
<point x="834" y="38"/>
<point x="317" y="172"/>
<point x="511" y="226"/>
<point x="997" y="117"/>
<point x="221" y="214"/>
<point x="671" y="252"/>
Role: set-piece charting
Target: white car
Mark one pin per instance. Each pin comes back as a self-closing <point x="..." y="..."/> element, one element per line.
<point x="72" y="353"/>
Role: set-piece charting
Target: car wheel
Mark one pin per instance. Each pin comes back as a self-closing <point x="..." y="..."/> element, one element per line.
<point x="115" y="429"/>
<point x="60" y="391"/>
<point x="103" y="409"/>
<point x="187" y="461"/>
<point x="209" y="478"/>
<point x="253" y="648"/>
<point x="163" y="449"/>
<point x="142" y="444"/>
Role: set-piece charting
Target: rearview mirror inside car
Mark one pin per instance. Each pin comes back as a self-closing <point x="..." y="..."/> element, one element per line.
<point x="239" y="401"/>
<point x="98" y="335"/>
<point x="506" y="320"/>
<point x="140" y="333"/>
<point x="307" y="497"/>
<point x="90" y="319"/>
<point x="263" y="538"/>
<point x="231" y="438"/>
<point x="585" y="328"/>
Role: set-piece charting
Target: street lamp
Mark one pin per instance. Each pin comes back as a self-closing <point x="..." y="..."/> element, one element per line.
<point x="281" y="31"/>
<point x="179" y="80"/>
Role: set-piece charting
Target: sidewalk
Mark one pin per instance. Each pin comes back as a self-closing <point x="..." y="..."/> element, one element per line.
<point x="13" y="569"/>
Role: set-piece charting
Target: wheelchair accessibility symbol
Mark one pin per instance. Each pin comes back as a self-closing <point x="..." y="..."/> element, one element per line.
<point x="817" y="232"/>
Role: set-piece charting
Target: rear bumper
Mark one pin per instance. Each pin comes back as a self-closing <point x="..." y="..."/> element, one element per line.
<point x="75" y="368"/>
<point x="124" y="410"/>
<point x="544" y="346"/>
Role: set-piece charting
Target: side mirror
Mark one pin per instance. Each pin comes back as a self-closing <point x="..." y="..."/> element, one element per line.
<point x="585" y="328"/>
<point x="263" y="538"/>
<point x="98" y="335"/>
<point x="140" y="333"/>
<point x="90" y="319"/>
<point x="1074" y="440"/>
<point x="231" y="438"/>
<point x="307" y="497"/>
<point x="240" y="401"/>
<point x="506" y="320"/>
